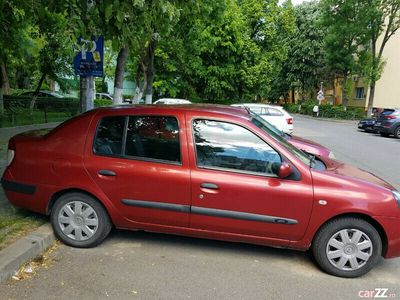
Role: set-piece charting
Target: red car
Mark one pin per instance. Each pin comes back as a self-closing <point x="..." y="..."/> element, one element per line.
<point x="205" y="171"/>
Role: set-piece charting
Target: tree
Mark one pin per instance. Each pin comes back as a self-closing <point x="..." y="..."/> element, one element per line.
<point x="227" y="50"/>
<point x="11" y="32"/>
<point x="305" y="66"/>
<point x="381" y="20"/>
<point x="345" y="37"/>
<point x="57" y="54"/>
<point x="358" y="31"/>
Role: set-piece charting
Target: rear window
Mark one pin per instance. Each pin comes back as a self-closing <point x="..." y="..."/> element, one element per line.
<point x="109" y="136"/>
<point x="153" y="138"/>
<point x="139" y="137"/>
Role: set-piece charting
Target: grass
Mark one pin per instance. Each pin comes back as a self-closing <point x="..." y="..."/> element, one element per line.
<point x="15" y="223"/>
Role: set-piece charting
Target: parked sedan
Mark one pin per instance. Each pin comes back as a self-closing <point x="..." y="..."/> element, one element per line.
<point x="388" y="123"/>
<point x="46" y="94"/>
<point x="206" y="171"/>
<point x="172" y="101"/>
<point x="305" y="145"/>
<point x="367" y="124"/>
<point x="275" y="115"/>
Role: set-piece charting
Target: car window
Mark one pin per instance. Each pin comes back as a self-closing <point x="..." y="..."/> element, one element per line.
<point x="109" y="136"/>
<point x="232" y="147"/>
<point x="274" y="112"/>
<point x="153" y="137"/>
<point x="257" y="110"/>
<point x="263" y="125"/>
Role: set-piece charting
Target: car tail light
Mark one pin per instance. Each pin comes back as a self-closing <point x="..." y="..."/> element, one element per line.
<point x="389" y="117"/>
<point x="10" y="152"/>
<point x="289" y="121"/>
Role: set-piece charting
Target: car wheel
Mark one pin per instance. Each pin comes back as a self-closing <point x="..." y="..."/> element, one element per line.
<point x="79" y="220"/>
<point x="347" y="247"/>
<point x="397" y="132"/>
<point x="384" y="134"/>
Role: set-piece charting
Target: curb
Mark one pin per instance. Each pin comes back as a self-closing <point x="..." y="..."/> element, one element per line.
<point x="24" y="249"/>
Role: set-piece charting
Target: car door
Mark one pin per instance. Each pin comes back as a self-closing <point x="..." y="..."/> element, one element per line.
<point x="141" y="165"/>
<point x="234" y="186"/>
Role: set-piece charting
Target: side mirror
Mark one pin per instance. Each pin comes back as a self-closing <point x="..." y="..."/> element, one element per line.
<point x="285" y="170"/>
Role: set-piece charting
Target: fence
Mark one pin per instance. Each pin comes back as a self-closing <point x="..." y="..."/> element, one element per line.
<point x="17" y="110"/>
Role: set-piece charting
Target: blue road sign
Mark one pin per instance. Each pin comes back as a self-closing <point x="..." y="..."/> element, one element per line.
<point x="89" y="60"/>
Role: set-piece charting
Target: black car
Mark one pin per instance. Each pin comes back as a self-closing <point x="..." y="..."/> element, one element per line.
<point x="42" y="94"/>
<point x="367" y="124"/>
<point x="388" y="123"/>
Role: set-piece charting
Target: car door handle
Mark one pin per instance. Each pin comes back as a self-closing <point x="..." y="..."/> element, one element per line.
<point x="107" y="173"/>
<point x="207" y="185"/>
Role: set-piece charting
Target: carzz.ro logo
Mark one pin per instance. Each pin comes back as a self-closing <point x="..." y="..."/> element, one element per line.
<point x="377" y="293"/>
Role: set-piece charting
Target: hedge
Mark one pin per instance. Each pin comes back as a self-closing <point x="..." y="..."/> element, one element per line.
<point x="327" y="111"/>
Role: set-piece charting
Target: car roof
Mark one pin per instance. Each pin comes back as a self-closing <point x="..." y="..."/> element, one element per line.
<point x="257" y="105"/>
<point x="200" y="108"/>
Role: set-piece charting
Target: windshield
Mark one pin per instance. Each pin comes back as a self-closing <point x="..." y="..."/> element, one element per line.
<point x="263" y="125"/>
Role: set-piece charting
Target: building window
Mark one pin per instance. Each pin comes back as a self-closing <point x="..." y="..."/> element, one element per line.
<point x="360" y="93"/>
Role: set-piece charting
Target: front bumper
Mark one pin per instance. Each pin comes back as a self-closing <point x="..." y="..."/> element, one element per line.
<point x="383" y="129"/>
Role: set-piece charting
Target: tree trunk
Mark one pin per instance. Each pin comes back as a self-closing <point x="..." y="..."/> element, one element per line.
<point x="4" y="79"/>
<point x="344" y="93"/>
<point x="149" y="72"/>
<point x="1" y="102"/>
<point x="293" y="96"/>
<point x="119" y="74"/>
<point x="371" y="98"/>
<point x="52" y="85"/>
<point x="35" y="95"/>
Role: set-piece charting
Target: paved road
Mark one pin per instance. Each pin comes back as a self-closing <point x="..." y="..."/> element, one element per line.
<point x="138" y="265"/>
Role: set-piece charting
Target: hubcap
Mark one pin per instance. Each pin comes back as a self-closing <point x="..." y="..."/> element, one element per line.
<point x="78" y="220"/>
<point x="349" y="249"/>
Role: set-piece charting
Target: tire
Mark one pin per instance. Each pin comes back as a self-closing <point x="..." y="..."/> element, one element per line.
<point x="79" y="220"/>
<point x="397" y="132"/>
<point x="347" y="259"/>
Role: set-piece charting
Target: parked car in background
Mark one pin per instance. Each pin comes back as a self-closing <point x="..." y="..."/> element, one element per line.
<point x="309" y="147"/>
<point x="388" y="123"/>
<point x="204" y="171"/>
<point x="42" y="93"/>
<point x="172" y="101"/>
<point x="367" y="124"/>
<point x="275" y="115"/>
<point x="104" y="96"/>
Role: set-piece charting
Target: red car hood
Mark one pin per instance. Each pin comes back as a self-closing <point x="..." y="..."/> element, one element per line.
<point x="339" y="168"/>
<point x="308" y="146"/>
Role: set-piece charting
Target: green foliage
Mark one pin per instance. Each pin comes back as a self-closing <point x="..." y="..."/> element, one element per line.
<point x="306" y="64"/>
<point x="102" y="102"/>
<point x="224" y="50"/>
<point x="327" y="111"/>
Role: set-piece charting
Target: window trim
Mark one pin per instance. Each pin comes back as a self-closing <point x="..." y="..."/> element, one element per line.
<point x="124" y="135"/>
<point x="228" y="169"/>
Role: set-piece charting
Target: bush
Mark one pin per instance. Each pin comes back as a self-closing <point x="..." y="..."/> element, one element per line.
<point x="327" y="110"/>
<point x="102" y="102"/>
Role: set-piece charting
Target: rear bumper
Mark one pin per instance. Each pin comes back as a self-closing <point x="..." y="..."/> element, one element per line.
<point x="392" y="230"/>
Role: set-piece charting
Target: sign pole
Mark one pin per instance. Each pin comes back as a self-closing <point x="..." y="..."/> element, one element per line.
<point x="87" y="88"/>
<point x="88" y="63"/>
